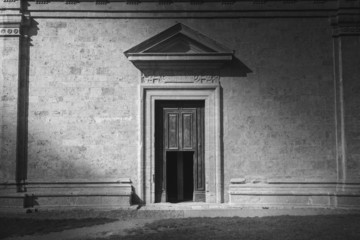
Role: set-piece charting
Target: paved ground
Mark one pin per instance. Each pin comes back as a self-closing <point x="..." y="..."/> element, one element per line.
<point x="187" y="222"/>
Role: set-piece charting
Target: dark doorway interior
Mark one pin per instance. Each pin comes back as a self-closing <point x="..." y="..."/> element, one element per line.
<point x="180" y="178"/>
<point x="179" y="153"/>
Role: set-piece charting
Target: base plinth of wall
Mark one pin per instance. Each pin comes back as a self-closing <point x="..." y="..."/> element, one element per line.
<point x="38" y="194"/>
<point x="285" y="195"/>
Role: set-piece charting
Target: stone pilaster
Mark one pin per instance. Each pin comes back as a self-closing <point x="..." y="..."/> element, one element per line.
<point x="10" y="41"/>
<point x="346" y="34"/>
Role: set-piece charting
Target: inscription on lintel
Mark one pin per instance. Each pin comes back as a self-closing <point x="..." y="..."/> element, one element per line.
<point x="199" y="79"/>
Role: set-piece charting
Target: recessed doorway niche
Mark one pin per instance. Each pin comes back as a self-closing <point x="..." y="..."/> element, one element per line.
<point x="179" y="150"/>
<point x="209" y="95"/>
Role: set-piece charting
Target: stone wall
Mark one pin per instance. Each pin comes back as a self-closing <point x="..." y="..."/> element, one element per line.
<point x="289" y="106"/>
<point x="278" y="119"/>
<point x="83" y="102"/>
<point x="351" y="73"/>
<point x="9" y="61"/>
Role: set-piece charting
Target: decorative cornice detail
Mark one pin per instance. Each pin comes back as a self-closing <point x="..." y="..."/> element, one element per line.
<point x="72" y="1"/>
<point x="259" y="1"/>
<point x="101" y="2"/>
<point x="42" y="1"/>
<point x="289" y="1"/>
<point x="346" y="30"/>
<point x="9" y="31"/>
<point x="346" y="22"/>
<point x="196" y="2"/>
<point x="152" y="79"/>
<point x="197" y="79"/>
<point x="207" y="79"/>
<point x="133" y="2"/>
<point x="319" y="1"/>
<point x="190" y="1"/>
<point x="227" y="2"/>
<point x="165" y="2"/>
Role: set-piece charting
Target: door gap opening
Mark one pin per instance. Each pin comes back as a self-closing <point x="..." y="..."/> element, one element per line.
<point x="180" y="176"/>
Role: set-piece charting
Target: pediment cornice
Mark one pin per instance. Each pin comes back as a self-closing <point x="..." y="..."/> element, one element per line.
<point x="179" y="47"/>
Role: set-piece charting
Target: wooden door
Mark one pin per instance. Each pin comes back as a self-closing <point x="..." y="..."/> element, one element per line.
<point x="179" y="127"/>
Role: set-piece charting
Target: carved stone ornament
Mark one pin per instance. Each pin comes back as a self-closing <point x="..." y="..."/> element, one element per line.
<point x="42" y="1"/>
<point x="101" y="2"/>
<point x="9" y="31"/>
<point x="152" y="79"/>
<point x="200" y="79"/>
<point x="346" y="22"/>
<point x="346" y="30"/>
<point x="72" y="2"/>
<point x="206" y="79"/>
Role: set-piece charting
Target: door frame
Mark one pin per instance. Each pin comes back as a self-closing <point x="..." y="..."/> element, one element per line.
<point x="196" y="108"/>
<point x="210" y="94"/>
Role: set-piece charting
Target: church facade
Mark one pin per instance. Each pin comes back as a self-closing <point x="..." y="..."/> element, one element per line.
<point x="108" y="103"/>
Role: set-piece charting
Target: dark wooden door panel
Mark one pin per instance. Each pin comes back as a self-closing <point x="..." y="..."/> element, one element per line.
<point x="200" y="168"/>
<point x="172" y="130"/>
<point x="180" y="128"/>
<point x="188" y="120"/>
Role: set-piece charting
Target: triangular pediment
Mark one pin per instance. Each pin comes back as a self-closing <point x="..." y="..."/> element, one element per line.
<point x="181" y="45"/>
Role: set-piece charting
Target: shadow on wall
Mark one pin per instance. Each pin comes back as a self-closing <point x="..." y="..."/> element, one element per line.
<point x="235" y="68"/>
<point x="23" y="104"/>
<point x="38" y="155"/>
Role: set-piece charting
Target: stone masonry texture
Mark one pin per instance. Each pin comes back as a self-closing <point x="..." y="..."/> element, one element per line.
<point x="9" y="50"/>
<point x="278" y="120"/>
<point x="74" y="126"/>
<point x="83" y="102"/>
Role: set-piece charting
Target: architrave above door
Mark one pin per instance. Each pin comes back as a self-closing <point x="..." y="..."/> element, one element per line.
<point x="179" y="47"/>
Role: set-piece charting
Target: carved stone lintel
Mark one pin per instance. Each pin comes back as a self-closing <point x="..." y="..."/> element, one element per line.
<point x="227" y="2"/>
<point x="133" y="2"/>
<point x="346" y="30"/>
<point x="152" y="79"/>
<point x="346" y="22"/>
<point x="165" y="2"/>
<point x="319" y="1"/>
<point x="9" y="31"/>
<point x="207" y="79"/>
<point x="101" y="2"/>
<point x="289" y="1"/>
<point x="200" y="79"/>
<point x="71" y="1"/>
<point x="42" y="1"/>
<point x="196" y="2"/>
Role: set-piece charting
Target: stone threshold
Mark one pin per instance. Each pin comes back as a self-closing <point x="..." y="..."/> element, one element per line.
<point x="168" y="210"/>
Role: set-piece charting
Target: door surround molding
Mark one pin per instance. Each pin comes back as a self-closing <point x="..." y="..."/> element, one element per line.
<point x="210" y="94"/>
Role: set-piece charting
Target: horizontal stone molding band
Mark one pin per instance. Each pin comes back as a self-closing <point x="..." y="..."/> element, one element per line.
<point x="303" y="195"/>
<point x="293" y="194"/>
<point x="78" y="194"/>
<point x="347" y="31"/>
<point x="172" y="15"/>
